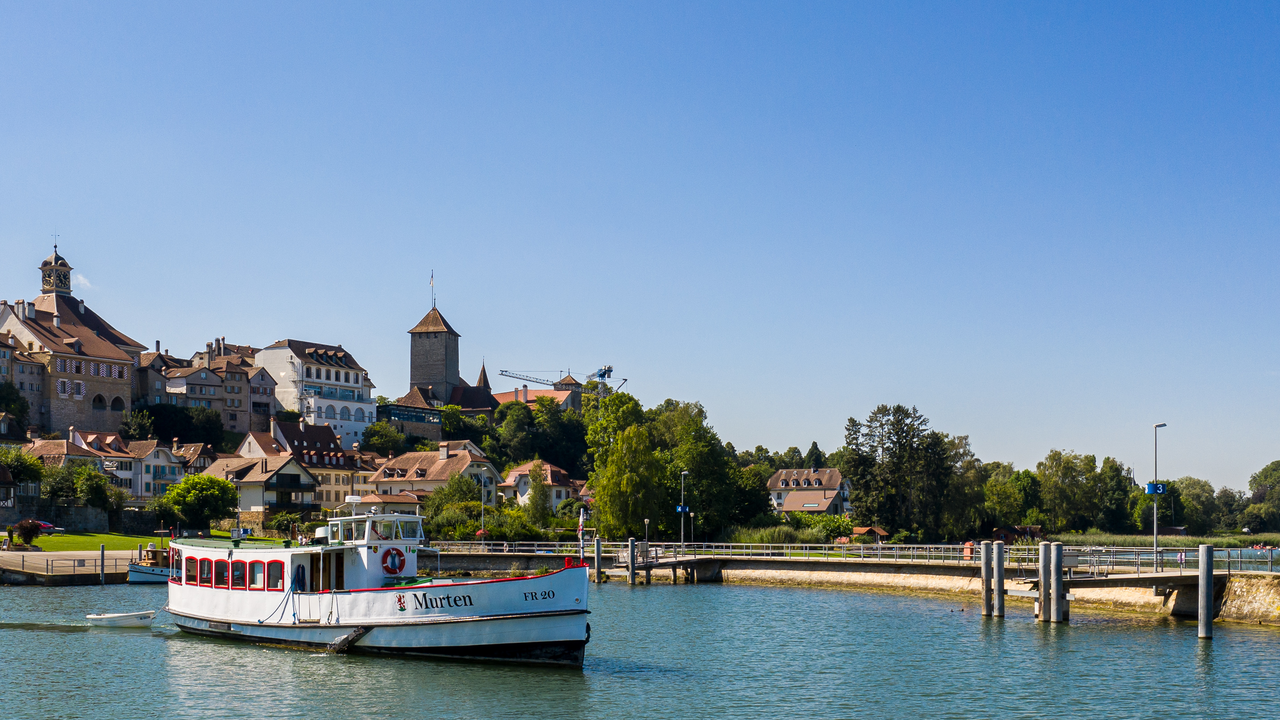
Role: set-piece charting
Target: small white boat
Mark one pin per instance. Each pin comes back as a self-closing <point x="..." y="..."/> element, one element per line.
<point x="139" y="573"/>
<point x="123" y="620"/>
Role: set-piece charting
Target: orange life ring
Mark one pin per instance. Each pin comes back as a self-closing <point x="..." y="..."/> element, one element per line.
<point x="393" y="561"/>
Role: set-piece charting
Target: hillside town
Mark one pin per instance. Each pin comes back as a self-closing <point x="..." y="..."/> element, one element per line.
<point x="289" y="418"/>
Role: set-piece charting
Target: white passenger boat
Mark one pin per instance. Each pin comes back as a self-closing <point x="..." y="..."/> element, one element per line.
<point x="359" y="592"/>
<point x="123" y="620"/>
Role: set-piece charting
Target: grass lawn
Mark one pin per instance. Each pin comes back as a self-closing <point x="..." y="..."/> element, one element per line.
<point x="91" y="541"/>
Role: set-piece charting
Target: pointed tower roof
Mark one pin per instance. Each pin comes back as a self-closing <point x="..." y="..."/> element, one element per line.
<point x="568" y="380"/>
<point x="434" y="322"/>
<point x="483" y="380"/>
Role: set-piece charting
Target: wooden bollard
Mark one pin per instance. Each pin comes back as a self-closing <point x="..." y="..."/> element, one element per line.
<point x="1057" y="598"/>
<point x="985" y="557"/>
<point x="997" y="561"/>
<point x="631" y="561"/>
<point x="1205" y="592"/>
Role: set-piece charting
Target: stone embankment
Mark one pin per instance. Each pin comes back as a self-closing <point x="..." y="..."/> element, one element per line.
<point x="1248" y="597"/>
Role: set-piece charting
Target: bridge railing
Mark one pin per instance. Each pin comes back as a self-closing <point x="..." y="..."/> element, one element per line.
<point x="1022" y="559"/>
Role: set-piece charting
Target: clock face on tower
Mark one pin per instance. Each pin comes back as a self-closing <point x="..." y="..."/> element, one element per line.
<point x="63" y="279"/>
<point x="48" y="279"/>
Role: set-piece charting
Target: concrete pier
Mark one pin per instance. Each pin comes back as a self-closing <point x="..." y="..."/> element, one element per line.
<point x="985" y="558"/>
<point x="997" y="561"/>
<point x="1205" y="592"/>
<point x="1042" y="568"/>
<point x="1057" y="597"/>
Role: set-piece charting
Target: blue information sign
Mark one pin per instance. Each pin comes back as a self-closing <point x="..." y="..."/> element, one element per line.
<point x="682" y="508"/>
<point x="1157" y="488"/>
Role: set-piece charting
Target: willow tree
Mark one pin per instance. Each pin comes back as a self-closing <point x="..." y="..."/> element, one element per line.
<point x="628" y="488"/>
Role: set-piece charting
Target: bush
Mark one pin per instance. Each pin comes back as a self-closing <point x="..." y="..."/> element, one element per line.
<point x="27" y="531"/>
<point x="777" y="535"/>
<point x="281" y="522"/>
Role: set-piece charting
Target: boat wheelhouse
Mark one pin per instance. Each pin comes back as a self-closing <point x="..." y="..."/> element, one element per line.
<point x="357" y="588"/>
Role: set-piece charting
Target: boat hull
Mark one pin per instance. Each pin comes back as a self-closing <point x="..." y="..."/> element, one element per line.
<point x="122" y="620"/>
<point x="148" y="574"/>
<point x="548" y="639"/>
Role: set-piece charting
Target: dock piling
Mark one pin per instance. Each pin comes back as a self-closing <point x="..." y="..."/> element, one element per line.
<point x="1056" y="594"/>
<point x="985" y="555"/>
<point x="102" y="564"/>
<point x="599" y="568"/>
<point x="997" y="561"/>
<point x="1205" y="592"/>
<point x="1042" y="603"/>
<point x="631" y="561"/>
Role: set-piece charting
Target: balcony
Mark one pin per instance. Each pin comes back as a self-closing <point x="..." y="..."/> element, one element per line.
<point x="289" y="484"/>
<point x="291" y="506"/>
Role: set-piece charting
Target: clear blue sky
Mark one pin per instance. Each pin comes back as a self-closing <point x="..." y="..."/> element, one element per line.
<point x="1046" y="227"/>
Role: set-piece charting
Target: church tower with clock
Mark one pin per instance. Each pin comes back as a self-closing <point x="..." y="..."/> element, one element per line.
<point x="55" y="274"/>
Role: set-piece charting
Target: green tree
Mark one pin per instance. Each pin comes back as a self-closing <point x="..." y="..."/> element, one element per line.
<point x="814" y="458"/>
<point x="514" y="421"/>
<point x="381" y="400"/>
<point x="1110" y="490"/>
<point x="964" y="507"/>
<point x="790" y="460"/>
<point x="1229" y="504"/>
<point x="606" y="420"/>
<point x="381" y="437"/>
<point x="538" y="506"/>
<point x="23" y="467"/>
<point x="93" y="488"/>
<point x="628" y="486"/>
<point x="1200" y="507"/>
<point x="166" y="513"/>
<point x="288" y="416"/>
<point x="59" y="483"/>
<point x="137" y="425"/>
<point x="560" y="436"/>
<point x="206" y="427"/>
<point x="459" y="489"/>
<point x="12" y="402"/>
<point x="200" y="499"/>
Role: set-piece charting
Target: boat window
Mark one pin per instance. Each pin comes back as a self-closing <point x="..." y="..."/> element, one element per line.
<point x="237" y="575"/>
<point x="257" y="575"/>
<point x="385" y="530"/>
<point x="192" y="568"/>
<point x="220" y="573"/>
<point x="334" y="533"/>
<point x="360" y="528"/>
<point x="275" y="575"/>
<point x="348" y="531"/>
<point x="410" y="529"/>
<point x="206" y="573"/>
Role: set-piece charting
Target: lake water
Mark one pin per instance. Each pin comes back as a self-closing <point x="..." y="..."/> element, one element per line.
<point x="660" y="651"/>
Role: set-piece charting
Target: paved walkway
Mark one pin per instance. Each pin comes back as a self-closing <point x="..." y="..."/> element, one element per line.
<point x="66" y="563"/>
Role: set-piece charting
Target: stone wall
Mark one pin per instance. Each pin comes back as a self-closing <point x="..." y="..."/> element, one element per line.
<point x="69" y="518"/>
<point x="134" y="522"/>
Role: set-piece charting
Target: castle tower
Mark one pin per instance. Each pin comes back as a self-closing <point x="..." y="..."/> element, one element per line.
<point x="433" y="356"/>
<point x="55" y="274"/>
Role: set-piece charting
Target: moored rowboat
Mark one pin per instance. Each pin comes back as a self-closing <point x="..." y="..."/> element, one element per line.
<point x="123" y="620"/>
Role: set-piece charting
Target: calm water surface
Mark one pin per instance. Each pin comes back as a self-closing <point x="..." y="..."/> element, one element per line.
<point x="660" y="651"/>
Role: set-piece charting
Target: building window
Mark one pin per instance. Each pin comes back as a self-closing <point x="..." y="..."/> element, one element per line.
<point x="308" y="371"/>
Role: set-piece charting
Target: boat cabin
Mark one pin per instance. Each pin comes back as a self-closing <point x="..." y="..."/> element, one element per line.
<point x="350" y="553"/>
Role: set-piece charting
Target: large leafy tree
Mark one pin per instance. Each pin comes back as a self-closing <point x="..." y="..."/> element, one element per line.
<point x="898" y="470"/>
<point x="628" y="487"/>
<point x="381" y="437"/>
<point x="137" y="426"/>
<point x="560" y="436"/>
<point x="606" y="420"/>
<point x="22" y="466"/>
<point x="12" y="402"/>
<point x="1200" y="507"/>
<point x="201" y="499"/>
<point x="514" y="421"/>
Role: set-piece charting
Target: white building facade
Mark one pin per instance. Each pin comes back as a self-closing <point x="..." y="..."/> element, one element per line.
<point x="324" y="383"/>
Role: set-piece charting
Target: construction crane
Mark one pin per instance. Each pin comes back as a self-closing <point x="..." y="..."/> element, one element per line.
<point x="601" y="376"/>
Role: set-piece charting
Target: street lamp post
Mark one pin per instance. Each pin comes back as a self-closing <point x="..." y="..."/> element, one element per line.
<point x="692" y="534"/>
<point x="1155" y="507"/>
<point x="646" y="533"/>
<point x="683" y="473"/>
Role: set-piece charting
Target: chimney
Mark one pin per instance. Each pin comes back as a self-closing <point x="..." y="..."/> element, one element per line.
<point x="526" y="393"/>
<point x="81" y="307"/>
<point x="57" y="319"/>
<point x="208" y="352"/>
<point x="166" y="351"/>
<point x="264" y="464"/>
<point x="273" y="426"/>
<point x="175" y="443"/>
<point x="157" y="346"/>
<point x="444" y="451"/>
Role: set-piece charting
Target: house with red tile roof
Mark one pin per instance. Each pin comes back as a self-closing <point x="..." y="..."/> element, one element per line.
<point x="517" y="485"/>
<point x="431" y="470"/>
<point x="88" y="363"/>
